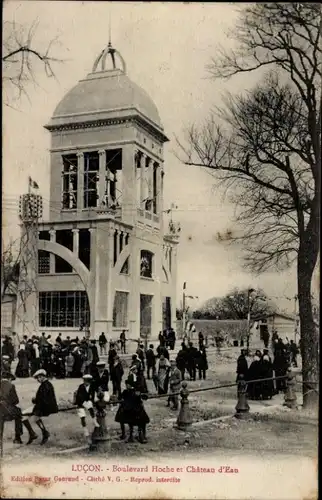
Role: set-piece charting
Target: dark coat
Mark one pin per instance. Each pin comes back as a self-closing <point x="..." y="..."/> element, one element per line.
<point x="192" y="356"/>
<point x="150" y="357"/>
<point x="8" y="401"/>
<point x="202" y="361"/>
<point x="242" y="366"/>
<point x="102" y="340"/>
<point x="22" y="370"/>
<point x="95" y="356"/>
<point x="100" y="382"/>
<point x="117" y="372"/>
<point x="83" y="395"/>
<point x="45" y="400"/>
<point x="181" y="360"/>
<point x="111" y="356"/>
<point x="162" y="350"/>
<point x="131" y="410"/>
<point x="267" y="385"/>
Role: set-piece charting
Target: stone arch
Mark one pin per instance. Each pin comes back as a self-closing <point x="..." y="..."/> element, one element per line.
<point x="165" y="272"/>
<point x="121" y="259"/>
<point x="70" y="257"/>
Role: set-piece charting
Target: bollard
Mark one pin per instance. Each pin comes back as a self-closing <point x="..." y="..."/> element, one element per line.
<point x="184" y="419"/>
<point x="242" y="407"/>
<point x="290" y="399"/>
<point x="100" y="434"/>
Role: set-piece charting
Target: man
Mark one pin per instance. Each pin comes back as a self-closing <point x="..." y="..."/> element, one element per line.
<point x="192" y="355"/>
<point x="5" y="363"/>
<point x="136" y="362"/>
<point x="162" y="350"/>
<point x="171" y="339"/>
<point x="45" y="404"/>
<point x="242" y="366"/>
<point x="102" y="341"/>
<point x="174" y="384"/>
<point x="83" y="400"/>
<point x="123" y="342"/>
<point x="202" y="362"/>
<point x="95" y="358"/>
<point x="116" y="374"/>
<point x="42" y="341"/>
<point x="181" y="360"/>
<point x="8" y="405"/>
<point x="111" y="355"/>
<point x="100" y="381"/>
<point x="150" y="361"/>
<point x="59" y="339"/>
<point x="200" y="340"/>
<point x="140" y="354"/>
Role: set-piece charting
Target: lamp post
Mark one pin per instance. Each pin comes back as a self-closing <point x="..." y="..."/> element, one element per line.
<point x="249" y="292"/>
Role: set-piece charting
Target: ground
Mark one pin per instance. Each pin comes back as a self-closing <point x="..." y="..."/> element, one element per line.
<point x="272" y="428"/>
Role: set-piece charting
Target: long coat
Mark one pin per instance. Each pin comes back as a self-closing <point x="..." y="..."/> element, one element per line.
<point x="8" y="401"/>
<point x="45" y="400"/>
<point x="131" y="410"/>
<point x="22" y="370"/>
<point x="175" y="380"/>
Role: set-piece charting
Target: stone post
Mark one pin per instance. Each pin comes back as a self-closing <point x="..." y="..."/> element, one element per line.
<point x="242" y="407"/>
<point x="184" y="419"/>
<point x="290" y="399"/>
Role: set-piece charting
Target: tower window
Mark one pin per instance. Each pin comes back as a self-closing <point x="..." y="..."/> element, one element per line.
<point x="63" y="309"/>
<point x="155" y="188"/>
<point x="146" y="264"/>
<point x="91" y="178"/>
<point x="84" y="248"/>
<point x="69" y="182"/>
<point x="120" y="309"/>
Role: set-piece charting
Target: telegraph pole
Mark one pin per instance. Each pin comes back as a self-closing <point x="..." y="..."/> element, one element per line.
<point x="184" y="308"/>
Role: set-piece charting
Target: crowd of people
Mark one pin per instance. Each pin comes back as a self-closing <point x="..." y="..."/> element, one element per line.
<point x="264" y="367"/>
<point x="103" y="380"/>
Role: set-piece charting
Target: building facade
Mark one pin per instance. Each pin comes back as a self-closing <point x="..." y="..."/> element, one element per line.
<point x="106" y="261"/>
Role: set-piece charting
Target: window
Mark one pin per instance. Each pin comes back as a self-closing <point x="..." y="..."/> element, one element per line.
<point x="145" y="315"/>
<point x="43" y="262"/>
<point x="146" y="264"/>
<point x="70" y="182"/>
<point x="91" y="177"/>
<point x="44" y="235"/>
<point x="120" y="310"/>
<point x="84" y="248"/>
<point x="63" y="309"/>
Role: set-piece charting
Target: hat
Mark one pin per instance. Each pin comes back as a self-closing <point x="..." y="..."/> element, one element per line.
<point x="100" y="363"/>
<point x="40" y="372"/>
<point x="5" y="356"/>
<point x="8" y="375"/>
<point x="87" y="377"/>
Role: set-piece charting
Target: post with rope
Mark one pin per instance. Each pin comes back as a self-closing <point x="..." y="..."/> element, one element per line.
<point x="242" y="407"/>
<point x="290" y="399"/>
<point x="184" y="419"/>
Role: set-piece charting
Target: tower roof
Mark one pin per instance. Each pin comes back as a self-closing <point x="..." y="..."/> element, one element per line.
<point x="106" y="93"/>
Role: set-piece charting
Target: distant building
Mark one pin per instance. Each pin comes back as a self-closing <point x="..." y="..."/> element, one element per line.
<point x="286" y="326"/>
<point x="106" y="262"/>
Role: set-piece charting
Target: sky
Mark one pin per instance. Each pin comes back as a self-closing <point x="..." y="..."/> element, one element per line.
<point x="166" y="47"/>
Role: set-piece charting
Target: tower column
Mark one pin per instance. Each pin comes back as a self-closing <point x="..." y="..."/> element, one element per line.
<point x="80" y="180"/>
<point x="52" y="233"/>
<point x="102" y="174"/>
<point x="75" y="240"/>
<point x="149" y="168"/>
<point x="142" y="179"/>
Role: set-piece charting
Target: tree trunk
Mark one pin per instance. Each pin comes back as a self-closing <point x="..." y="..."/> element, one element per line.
<point x="309" y="332"/>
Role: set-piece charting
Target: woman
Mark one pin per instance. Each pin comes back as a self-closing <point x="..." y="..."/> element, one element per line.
<point x="131" y="412"/>
<point x="162" y="374"/>
<point x="22" y="370"/>
<point x="267" y="372"/>
<point x="254" y="373"/>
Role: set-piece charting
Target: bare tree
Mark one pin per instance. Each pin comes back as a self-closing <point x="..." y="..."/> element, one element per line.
<point x="265" y="147"/>
<point x="23" y="58"/>
<point x="235" y="305"/>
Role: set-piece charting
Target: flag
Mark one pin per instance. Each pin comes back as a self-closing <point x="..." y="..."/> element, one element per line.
<point x="184" y="285"/>
<point x="33" y="184"/>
